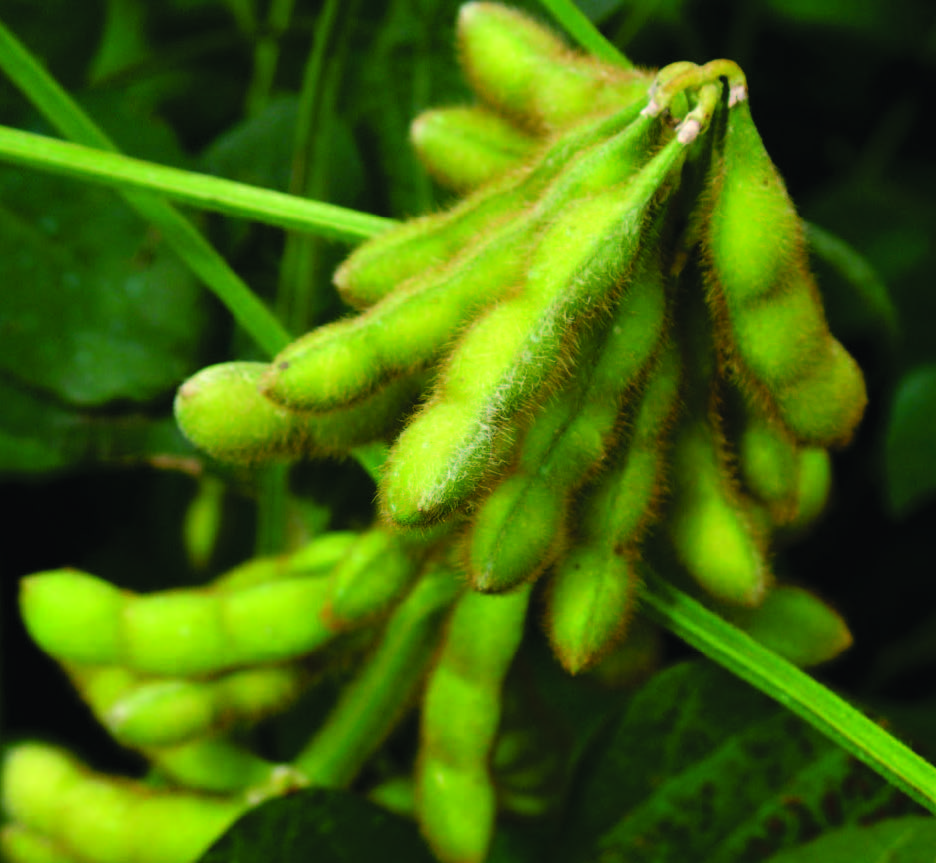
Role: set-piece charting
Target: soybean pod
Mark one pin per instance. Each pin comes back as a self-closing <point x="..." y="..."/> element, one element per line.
<point x="341" y="363"/>
<point x="591" y="593"/>
<point x="767" y="305"/>
<point x="516" y="351"/>
<point x="460" y="717"/>
<point x="519" y="528"/>
<point x="422" y="249"/>
<point x="467" y="146"/>
<point x="98" y="819"/>
<point x="524" y="71"/>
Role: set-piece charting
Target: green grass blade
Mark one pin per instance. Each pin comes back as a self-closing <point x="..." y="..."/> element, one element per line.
<point x="792" y="688"/>
<point x="574" y="22"/>
<point x="66" y="116"/>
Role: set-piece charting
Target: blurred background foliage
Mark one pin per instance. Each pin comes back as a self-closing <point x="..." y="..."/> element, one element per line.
<point x="99" y="323"/>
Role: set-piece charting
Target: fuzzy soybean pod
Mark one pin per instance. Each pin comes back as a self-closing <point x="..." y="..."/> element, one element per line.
<point x="797" y="624"/>
<point x="456" y="799"/>
<point x="768" y="462"/>
<point x="768" y="306"/>
<point x="519" y="528"/>
<point x="19" y="844"/>
<point x="591" y="593"/>
<point x="373" y="575"/>
<point x="467" y="146"/>
<point x="221" y="410"/>
<point x="156" y="712"/>
<point x="341" y="363"/>
<point x="77" y="617"/>
<point x="524" y="71"/>
<point x="713" y="534"/>
<point x="99" y="819"/>
<point x="422" y="249"/>
<point x="520" y="347"/>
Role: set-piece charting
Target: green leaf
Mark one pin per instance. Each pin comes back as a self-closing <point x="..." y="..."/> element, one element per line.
<point x="701" y="767"/>
<point x="319" y="825"/>
<point x="910" y="442"/>
<point x="899" y="840"/>
<point x="94" y="307"/>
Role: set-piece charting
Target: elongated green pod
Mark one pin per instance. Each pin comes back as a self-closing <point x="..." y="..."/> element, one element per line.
<point x="375" y="573"/>
<point x="813" y="485"/>
<point x="99" y="819"/>
<point x="341" y="363"/>
<point x="522" y="70"/>
<point x="20" y="845"/>
<point x="518" y="529"/>
<point x="711" y="531"/>
<point x="422" y="249"/>
<point x="465" y="147"/>
<point x="176" y="632"/>
<point x="150" y="713"/>
<point x="222" y="411"/>
<point x="518" y="349"/>
<point x="220" y="766"/>
<point x="591" y="600"/>
<point x="456" y="803"/>
<point x="798" y="625"/>
<point x="768" y="460"/>
<point x="771" y="320"/>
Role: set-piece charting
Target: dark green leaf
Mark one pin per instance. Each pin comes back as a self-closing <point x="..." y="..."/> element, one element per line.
<point x="323" y="826"/>
<point x="899" y="840"/>
<point x="910" y="444"/>
<point x="702" y="767"/>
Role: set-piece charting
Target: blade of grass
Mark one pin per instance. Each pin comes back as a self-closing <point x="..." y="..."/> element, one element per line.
<point x="188" y="187"/>
<point x="68" y="118"/>
<point x="574" y="22"/>
<point x="795" y="690"/>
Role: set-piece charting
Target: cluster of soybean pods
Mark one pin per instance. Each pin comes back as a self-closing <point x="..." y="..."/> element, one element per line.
<point x="609" y="353"/>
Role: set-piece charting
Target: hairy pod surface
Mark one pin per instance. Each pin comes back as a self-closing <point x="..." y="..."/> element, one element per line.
<point x="423" y="249"/>
<point x="222" y="411"/>
<point x="798" y="625"/>
<point x="521" y="69"/>
<point x="341" y="363"/>
<point x="467" y="146"/>
<point x="460" y="715"/>
<point x="771" y="314"/>
<point x="514" y="351"/>
<point x="518" y="529"/>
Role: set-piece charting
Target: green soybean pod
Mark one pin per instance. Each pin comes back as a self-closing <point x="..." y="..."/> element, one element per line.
<point x="813" y="486"/>
<point x="591" y="594"/>
<point x="590" y="603"/>
<point x="20" y="845"/>
<point x="522" y="70"/>
<point x="222" y="411"/>
<point x="796" y="624"/>
<point x="373" y="575"/>
<point x="467" y="146"/>
<point x="341" y="363"/>
<point x="770" y="311"/>
<point x="455" y="795"/>
<point x="99" y="819"/>
<point x="220" y="766"/>
<point x="175" y="632"/>
<point x="518" y="529"/>
<point x="517" y="349"/>
<point x="768" y="462"/>
<point x="423" y="249"/>
<point x="155" y="712"/>
<point x="712" y="533"/>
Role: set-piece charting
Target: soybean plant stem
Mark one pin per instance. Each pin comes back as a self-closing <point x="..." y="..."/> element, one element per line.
<point x="374" y="701"/>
